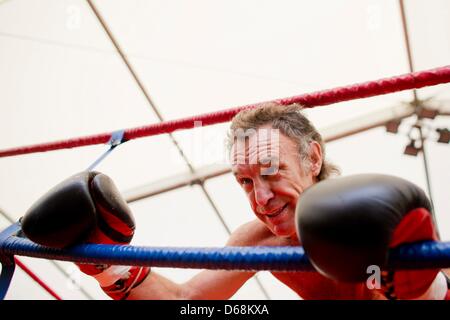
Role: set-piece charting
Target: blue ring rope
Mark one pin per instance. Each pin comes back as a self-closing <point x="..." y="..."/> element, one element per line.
<point x="227" y="258"/>
<point x="422" y="255"/>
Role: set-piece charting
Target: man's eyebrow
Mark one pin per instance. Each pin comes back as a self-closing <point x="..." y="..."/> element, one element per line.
<point x="268" y="159"/>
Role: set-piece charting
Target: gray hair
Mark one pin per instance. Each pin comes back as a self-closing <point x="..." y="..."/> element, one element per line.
<point x="291" y="122"/>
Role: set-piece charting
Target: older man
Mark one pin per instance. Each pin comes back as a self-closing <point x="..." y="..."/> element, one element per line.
<point x="276" y="154"/>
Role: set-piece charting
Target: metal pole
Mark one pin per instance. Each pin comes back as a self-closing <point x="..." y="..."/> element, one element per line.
<point x="159" y="116"/>
<point x="427" y="176"/>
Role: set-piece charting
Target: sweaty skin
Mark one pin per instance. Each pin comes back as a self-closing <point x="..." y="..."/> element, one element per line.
<point x="268" y="193"/>
<point x="273" y="196"/>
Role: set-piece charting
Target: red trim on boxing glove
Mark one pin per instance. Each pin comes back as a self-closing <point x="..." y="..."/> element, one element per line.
<point x="417" y="225"/>
<point x="129" y="280"/>
<point x="111" y="229"/>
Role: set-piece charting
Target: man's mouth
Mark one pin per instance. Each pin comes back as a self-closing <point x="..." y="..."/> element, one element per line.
<point x="277" y="212"/>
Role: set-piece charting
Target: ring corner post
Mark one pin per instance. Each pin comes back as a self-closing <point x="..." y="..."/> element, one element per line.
<point x="7" y="260"/>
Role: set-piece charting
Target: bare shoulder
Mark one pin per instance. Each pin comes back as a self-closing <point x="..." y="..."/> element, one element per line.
<point x="254" y="233"/>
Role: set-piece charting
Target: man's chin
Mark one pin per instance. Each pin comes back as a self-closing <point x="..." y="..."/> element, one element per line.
<point x="281" y="231"/>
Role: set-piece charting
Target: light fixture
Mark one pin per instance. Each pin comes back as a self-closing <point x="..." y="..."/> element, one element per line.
<point x="427" y="113"/>
<point x="392" y="126"/>
<point x="444" y="135"/>
<point x="411" y="149"/>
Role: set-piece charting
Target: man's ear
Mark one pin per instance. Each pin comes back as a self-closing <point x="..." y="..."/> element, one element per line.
<point x="315" y="158"/>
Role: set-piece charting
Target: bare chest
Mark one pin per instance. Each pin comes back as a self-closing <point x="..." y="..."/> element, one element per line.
<point x="312" y="285"/>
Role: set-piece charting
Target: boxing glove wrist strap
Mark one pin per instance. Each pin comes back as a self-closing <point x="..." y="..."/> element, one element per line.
<point x="118" y="281"/>
<point x="112" y="274"/>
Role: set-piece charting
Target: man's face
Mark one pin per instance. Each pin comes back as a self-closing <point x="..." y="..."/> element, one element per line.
<point x="273" y="178"/>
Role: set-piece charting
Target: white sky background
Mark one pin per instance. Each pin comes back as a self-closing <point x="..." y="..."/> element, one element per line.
<point x="61" y="77"/>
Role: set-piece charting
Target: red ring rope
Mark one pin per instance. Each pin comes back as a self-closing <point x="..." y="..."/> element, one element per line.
<point x="357" y="91"/>
<point x="37" y="279"/>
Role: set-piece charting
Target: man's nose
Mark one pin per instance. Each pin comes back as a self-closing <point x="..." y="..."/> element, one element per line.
<point x="263" y="193"/>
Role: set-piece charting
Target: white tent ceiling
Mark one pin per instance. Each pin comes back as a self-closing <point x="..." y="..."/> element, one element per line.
<point x="61" y="76"/>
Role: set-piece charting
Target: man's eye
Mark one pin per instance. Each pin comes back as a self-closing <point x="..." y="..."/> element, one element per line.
<point x="245" y="181"/>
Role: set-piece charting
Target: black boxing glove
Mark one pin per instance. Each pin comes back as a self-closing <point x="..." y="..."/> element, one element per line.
<point x="87" y="208"/>
<point x="348" y="224"/>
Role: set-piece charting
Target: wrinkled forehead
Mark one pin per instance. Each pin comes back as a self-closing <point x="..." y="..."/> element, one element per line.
<point x="255" y="146"/>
